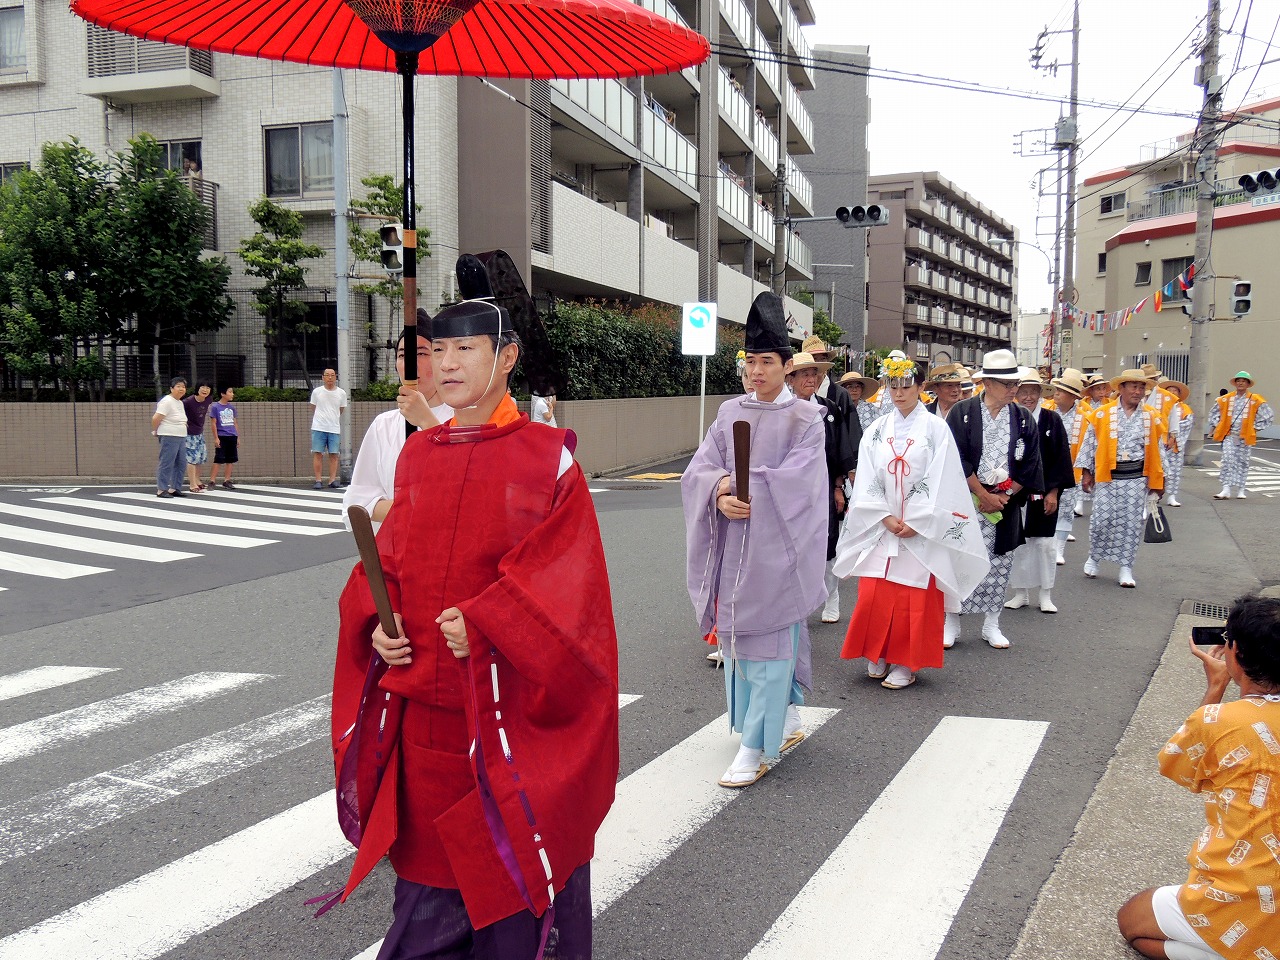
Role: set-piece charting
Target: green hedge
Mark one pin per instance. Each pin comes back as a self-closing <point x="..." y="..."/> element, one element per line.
<point x="610" y="351"/>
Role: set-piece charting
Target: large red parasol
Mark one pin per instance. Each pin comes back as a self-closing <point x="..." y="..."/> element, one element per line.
<point x="518" y="39"/>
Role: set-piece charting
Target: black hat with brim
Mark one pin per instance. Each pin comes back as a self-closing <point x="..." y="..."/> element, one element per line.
<point x="767" y="327"/>
<point x="471" y="318"/>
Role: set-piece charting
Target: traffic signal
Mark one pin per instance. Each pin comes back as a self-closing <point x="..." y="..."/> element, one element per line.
<point x="1260" y="181"/>
<point x="1241" y="297"/>
<point x="867" y="215"/>
<point x="392" y="235"/>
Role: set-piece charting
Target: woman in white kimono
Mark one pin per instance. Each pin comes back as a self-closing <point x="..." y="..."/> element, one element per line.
<point x="911" y="534"/>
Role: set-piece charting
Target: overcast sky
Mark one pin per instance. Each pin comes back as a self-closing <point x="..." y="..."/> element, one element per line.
<point x="968" y="137"/>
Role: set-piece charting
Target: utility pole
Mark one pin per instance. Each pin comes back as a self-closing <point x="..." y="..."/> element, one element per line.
<point x="1206" y="177"/>
<point x="1069" y="244"/>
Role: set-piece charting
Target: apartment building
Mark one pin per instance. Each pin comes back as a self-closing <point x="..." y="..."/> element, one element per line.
<point x="618" y="190"/>
<point x="942" y="274"/>
<point x="839" y="168"/>
<point x="1136" y="232"/>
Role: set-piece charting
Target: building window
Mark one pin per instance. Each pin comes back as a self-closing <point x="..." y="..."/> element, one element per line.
<point x="1143" y="276"/>
<point x="1171" y="270"/>
<point x="184" y="156"/>
<point x="1102" y="263"/>
<point x="10" y="170"/>
<point x="1111" y="203"/>
<point x="13" y="40"/>
<point x="299" y="160"/>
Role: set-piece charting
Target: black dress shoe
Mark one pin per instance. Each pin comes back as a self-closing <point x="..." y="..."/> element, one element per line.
<point x="177" y="493"/>
<point x="164" y="494"/>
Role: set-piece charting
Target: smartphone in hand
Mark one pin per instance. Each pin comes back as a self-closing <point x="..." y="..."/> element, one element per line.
<point x="1209" y="636"/>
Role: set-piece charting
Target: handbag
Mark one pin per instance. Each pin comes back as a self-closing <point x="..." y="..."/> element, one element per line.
<point x="1157" y="530"/>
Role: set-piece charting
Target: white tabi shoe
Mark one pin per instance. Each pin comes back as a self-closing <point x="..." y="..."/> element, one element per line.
<point x="991" y="632"/>
<point x="831" y="609"/>
<point x="950" y="630"/>
<point x="792" y="732"/>
<point x="1079" y="511"/>
<point x="1019" y="600"/>
<point x="1240" y="495"/>
<point x="1126" y="577"/>
<point x="716" y="658"/>
<point x="876" y="669"/>
<point x="1046" y="602"/>
<point x="1071" y="538"/>
<point x="1173" y="502"/>
<point x="1223" y="494"/>
<point x="1091" y="567"/>
<point x="899" y="679"/>
<point x="1059" y="554"/>
<point x="747" y="767"/>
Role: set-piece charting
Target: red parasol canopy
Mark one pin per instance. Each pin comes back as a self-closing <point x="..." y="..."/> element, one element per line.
<point x="517" y="39"/>
<point x="533" y="39"/>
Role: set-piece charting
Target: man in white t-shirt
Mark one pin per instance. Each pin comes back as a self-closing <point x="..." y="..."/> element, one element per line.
<point x="327" y="403"/>
<point x="169" y="425"/>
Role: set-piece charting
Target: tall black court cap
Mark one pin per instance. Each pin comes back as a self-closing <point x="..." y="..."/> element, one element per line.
<point x="471" y="318"/>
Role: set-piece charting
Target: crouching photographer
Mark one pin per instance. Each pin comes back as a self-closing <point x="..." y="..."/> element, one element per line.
<point x="1230" y="752"/>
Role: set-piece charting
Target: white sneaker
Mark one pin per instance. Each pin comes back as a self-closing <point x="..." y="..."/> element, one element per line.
<point x="831" y="610"/>
<point x="1240" y="495"/>
<point x="1019" y="600"/>
<point x="950" y="630"/>
<point x="1126" y="577"/>
<point x="1059" y="556"/>
<point x="899" y="679"/>
<point x="1079" y="511"/>
<point x="991" y="632"/>
<point x="1173" y="502"/>
<point x="877" y="669"/>
<point x="716" y="656"/>
<point x="1091" y="567"/>
<point x="1071" y="538"/>
<point x="1223" y="494"/>
<point x="1046" y="602"/>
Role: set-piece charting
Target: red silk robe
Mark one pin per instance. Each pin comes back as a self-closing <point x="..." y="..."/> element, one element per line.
<point x="484" y="525"/>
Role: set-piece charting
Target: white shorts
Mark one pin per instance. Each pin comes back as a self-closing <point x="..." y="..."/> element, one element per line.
<point x="1183" y="943"/>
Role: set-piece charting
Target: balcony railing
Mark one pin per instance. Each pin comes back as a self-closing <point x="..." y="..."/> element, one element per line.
<point x="919" y="238"/>
<point x="798" y="254"/>
<point x="670" y="148"/>
<point x="799" y="185"/>
<point x="736" y="107"/>
<point x="207" y="191"/>
<point x="766" y="143"/>
<point x="735" y="12"/>
<point x="607" y="100"/>
<point x="798" y="114"/>
<point x="1182" y="199"/>
<point x="767" y="67"/>
<point x="799" y="45"/>
<point x="113" y="54"/>
<point x="737" y="203"/>
<point x="663" y="9"/>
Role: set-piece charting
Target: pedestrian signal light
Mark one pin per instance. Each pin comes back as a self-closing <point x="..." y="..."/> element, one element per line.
<point x="1241" y="297"/>
<point x="867" y="215"/>
<point x="392" y="235"/>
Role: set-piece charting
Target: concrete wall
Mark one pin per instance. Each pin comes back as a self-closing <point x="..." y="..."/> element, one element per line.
<point x="112" y="440"/>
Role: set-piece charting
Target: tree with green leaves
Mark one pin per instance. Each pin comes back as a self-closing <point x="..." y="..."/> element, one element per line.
<point x="382" y="203"/>
<point x="275" y="254"/>
<point x="55" y="241"/>
<point x="161" y="279"/>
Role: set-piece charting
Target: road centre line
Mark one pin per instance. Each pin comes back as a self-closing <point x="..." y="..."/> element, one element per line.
<point x="56" y="729"/>
<point x="38" y="679"/>
<point x="901" y="874"/>
<point x="107" y="525"/>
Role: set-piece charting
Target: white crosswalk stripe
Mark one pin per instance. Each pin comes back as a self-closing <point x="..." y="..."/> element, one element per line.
<point x="190" y="515"/>
<point x="215" y="504"/>
<point x="107" y="525"/>
<point x="103" y="548"/>
<point x="40" y="567"/>
<point x="954" y="793"/>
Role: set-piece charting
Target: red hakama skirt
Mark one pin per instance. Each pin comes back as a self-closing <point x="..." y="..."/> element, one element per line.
<point x="901" y="624"/>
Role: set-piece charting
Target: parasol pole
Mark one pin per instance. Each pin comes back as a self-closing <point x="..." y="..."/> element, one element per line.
<point x="407" y="66"/>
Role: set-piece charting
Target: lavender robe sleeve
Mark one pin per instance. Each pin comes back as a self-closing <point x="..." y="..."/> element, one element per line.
<point x="704" y="524"/>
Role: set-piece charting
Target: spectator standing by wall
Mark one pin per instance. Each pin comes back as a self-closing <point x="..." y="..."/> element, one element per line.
<point x="169" y="425"/>
<point x="226" y="437"/>
<point x="542" y="409"/>
<point x="327" y="403"/>
<point x="197" y="409"/>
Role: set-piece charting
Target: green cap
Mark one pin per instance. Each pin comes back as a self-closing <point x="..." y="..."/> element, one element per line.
<point x="1243" y="374"/>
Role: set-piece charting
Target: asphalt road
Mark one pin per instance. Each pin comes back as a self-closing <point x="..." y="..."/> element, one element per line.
<point x="100" y="824"/>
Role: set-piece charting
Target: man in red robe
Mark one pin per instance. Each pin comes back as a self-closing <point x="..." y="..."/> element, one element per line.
<point x="479" y="748"/>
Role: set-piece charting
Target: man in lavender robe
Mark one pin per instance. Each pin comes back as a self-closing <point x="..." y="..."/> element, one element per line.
<point x="755" y="568"/>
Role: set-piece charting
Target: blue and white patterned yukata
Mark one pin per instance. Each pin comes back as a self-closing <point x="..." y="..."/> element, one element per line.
<point x="1235" y="452"/>
<point x="989" y="595"/>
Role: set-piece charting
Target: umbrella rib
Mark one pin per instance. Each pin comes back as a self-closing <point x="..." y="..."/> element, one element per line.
<point x="521" y="12"/>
